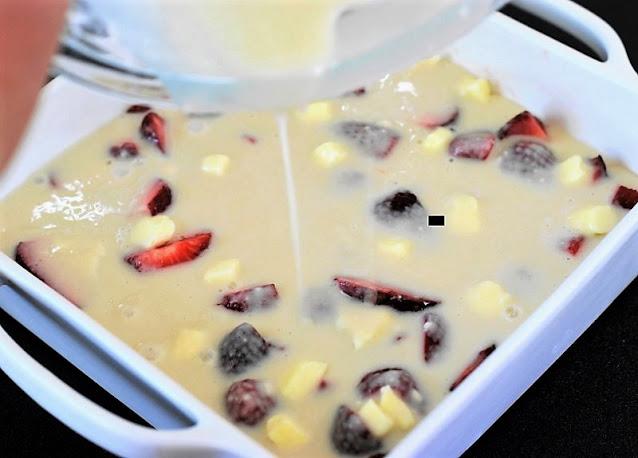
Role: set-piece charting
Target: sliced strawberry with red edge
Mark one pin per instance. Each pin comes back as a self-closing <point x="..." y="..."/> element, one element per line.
<point x="440" y="120"/>
<point x="170" y="254"/>
<point x="134" y="109"/>
<point x="153" y="130"/>
<point x="157" y="198"/>
<point x="248" y="299"/>
<point x="473" y="145"/>
<point x="249" y="138"/>
<point x="482" y="355"/>
<point x="35" y="257"/>
<point x="523" y="123"/>
<point x="599" y="168"/>
<point x="125" y="150"/>
<point x="377" y="294"/>
<point x="625" y="197"/>
<point x="573" y="245"/>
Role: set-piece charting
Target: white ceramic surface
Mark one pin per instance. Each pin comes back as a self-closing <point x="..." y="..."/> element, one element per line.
<point x="593" y="98"/>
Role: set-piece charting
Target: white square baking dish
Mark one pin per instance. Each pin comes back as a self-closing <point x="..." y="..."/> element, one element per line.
<point x="594" y="99"/>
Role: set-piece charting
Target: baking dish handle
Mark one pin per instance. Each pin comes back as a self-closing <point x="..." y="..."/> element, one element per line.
<point x="588" y="28"/>
<point x="92" y="421"/>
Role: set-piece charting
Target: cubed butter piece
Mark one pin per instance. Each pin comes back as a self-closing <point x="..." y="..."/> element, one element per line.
<point x="188" y="343"/>
<point x="375" y="418"/>
<point x="573" y="171"/>
<point x="478" y="89"/>
<point x="329" y="154"/>
<point x="595" y="220"/>
<point x="463" y="214"/>
<point x="285" y="432"/>
<point x="316" y="112"/>
<point x="488" y="297"/>
<point x="303" y="379"/>
<point x="437" y="141"/>
<point x="223" y="272"/>
<point x="396" y="409"/>
<point x="216" y="164"/>
<point x="394" y="247"/>
<point x="365" y="325"/>
<point x="152" y="231"/>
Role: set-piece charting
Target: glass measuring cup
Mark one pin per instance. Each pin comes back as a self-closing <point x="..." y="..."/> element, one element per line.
<point x="129" y="48"/>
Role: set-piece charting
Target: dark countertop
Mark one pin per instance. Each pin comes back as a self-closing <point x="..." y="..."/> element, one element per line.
<point x="586" y="404"/>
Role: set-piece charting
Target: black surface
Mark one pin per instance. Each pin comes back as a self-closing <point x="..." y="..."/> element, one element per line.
<point x="586" y="404"/>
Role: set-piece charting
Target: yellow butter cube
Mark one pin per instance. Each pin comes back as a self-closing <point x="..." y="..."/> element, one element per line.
<point x="375" y="419"/>
<point x="316" y="112"/>
<point x="437" y="141"/>
<point x="395" y="247"/>
<point x="463" y="215"/>
<point x="329" y="154"/>
<point x="595" y="220"/>
<point x="188" y="343"/>
<point x="488" y="297"/>
<point x="303" y="379"/>
<point x="223" y="272"/>
<point x="396" y="409"/>
<point x="285" y="432"/>
<point x="478" y="89"/>
<point x="152" y="231"/>
<point x="216" y="164"/>
<point x="366" y="326"/>
<point x="574" y="171"/>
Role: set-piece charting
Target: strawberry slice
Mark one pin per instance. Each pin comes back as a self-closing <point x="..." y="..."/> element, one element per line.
<point x="433" y="334"/>
<point x="523" y="123"/>
<point x="358" y="92"/>
<point x="249" y="138"/>
<point x="482" y="355"/>
<point x="125" y="150"/>
<point x="248" y="299"/>
<point x="35" y="257"/>
<point x="625" y="197"/>
<point x="377" y="294"/>
<point x="441" y="120"/>
<point x="170" y="254"/>
<point x="134" y="109"/>
<point x="153" y="130"/>
<point x="369" y="139"/>
<point x="573" y="245"/>
<point x="474" y="145"/>
<point x="599" y="168"/>
<point x="157" y="198"/>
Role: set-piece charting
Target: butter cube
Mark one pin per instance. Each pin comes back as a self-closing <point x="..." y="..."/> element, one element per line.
<point x="437" y="141"/>
<point x="375" y="419"/>
<point x="216" y="164"/>
<point x="595" y="220"/>
<point x="478" y="89"/>
<point x="396" y="409"/>
<point x="395" y="247"/>
<point x="329" y="154"/>
<point x="152" y="231"/>
<point x="188" y="343"/>
<point x="488" y="297"/>
<point x="463" y="215"/>
<point x="285" y="432"/>
<point x="304" y="378"/>
<point x="223" y="272"/>
<point x="316" y="112"/>
<point x="365" y="325"/>
<point x="573" y="171"/>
